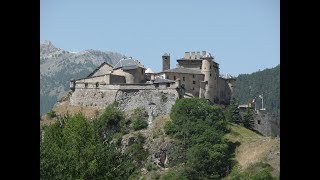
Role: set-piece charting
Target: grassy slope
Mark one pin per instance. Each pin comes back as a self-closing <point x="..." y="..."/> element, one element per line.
<point x="255" y="148"/>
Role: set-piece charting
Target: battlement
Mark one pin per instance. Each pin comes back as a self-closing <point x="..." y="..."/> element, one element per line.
<point x="195" y="55"/>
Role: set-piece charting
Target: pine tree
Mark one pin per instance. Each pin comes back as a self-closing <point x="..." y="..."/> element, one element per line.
<point x="232" y="112"/>
<point x="248" y="120"/>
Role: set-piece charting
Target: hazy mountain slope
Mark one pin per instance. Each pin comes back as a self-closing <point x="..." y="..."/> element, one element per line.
<point x="267" y="82"/>
<point x="58" y="66"/>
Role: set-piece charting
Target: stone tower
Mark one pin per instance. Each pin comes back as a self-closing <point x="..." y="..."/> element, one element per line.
<point x="210" y="69"/>
<point x="165" y="61"/>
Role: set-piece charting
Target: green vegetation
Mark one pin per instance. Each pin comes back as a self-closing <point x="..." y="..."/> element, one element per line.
<point x="76" y="148"/>
<point x="232" y="113"/>
<point x="257" y="171"/>
<point x="204" y="145"/>
<point x="248" y="120"/>
<point x="200" y="127"/>
<point x="265" y="82"/>
<point x="139" y="119"/>
<point x="51" y="114"/>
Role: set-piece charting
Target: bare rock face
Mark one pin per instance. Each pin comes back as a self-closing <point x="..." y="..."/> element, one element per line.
<point x="127" y="141"/>
<point x="160" y="157"/>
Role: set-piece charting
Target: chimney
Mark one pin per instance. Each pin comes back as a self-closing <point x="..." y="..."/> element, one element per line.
<point x="198" y="55"/>
<point x="204" y="53"/>
<point x="193" y="55"/>
<point x="187" y="55"/>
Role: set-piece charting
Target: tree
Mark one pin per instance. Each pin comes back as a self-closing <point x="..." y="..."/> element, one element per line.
<point x="75" y="150"/>
<point x="248" y="120"/>
<point x="200" y="127"/>
<point x="232" y="113"/>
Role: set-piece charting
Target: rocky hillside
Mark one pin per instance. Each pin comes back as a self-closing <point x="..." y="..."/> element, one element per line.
<point x="58" y="66"/>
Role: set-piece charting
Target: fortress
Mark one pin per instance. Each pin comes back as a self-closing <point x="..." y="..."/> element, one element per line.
<point x="132" y="85"/>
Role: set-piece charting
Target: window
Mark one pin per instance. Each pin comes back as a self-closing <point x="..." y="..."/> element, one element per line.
<point x="141" y="71"/>
<point x="193" y="75"/>
<point x="210" y="66"/>
<point x="193" y="88"/>
<point x="183" y="79"/>
<point x="258" y="121"/>
<point x="174" y="77"/>
<point x="200" y="67"/>
<point x="168" y="77"/>
<point x="85" y="85"/>
<point x="194" y="82"/>
<point x="168" y="84"/>
<point x="210" y="74"/>
<point x="97" y="84"/>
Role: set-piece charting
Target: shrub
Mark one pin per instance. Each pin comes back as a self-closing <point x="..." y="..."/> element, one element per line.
<point x="139" y="120"/>
<point x="51" y="114"/>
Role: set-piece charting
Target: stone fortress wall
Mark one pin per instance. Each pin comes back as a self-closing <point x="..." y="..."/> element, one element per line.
<point x="157" y="100"/>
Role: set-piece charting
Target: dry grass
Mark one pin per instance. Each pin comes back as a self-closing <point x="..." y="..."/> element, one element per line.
<point x="64" y="107"/>
<point x="255" y="148"/>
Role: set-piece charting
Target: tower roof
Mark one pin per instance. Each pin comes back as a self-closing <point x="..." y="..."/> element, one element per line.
<point x="184" y="70"/>
<point x="128" y="63"/>
<point x="149" y="70"/>
<point x="166" y="54"/>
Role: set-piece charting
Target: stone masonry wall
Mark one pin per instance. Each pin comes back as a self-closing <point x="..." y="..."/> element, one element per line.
<point x="157" y="101"/>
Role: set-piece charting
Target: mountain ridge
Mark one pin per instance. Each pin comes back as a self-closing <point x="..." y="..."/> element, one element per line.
<point x="59" y="66"/>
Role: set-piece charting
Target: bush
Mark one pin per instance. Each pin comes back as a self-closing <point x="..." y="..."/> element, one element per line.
<point x="77" y="151"/>
<point x="51" y="114"/>
<point x="139" y="120"/>
<point x="257" y="171"/>
<point x="109" y="122"/>
<point x="200" y="128"/>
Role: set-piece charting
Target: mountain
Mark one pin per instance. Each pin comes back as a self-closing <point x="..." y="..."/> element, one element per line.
<point x="58" y="66"/>
<point x="266" y="82"/>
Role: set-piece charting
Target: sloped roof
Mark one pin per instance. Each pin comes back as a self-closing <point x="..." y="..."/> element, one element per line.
<point x="104" y="63"/>
<point x="127" y="64"/>
<point x="160" y="80"/>
<point x="184" y="70"/>
<point x="149" y="70"/>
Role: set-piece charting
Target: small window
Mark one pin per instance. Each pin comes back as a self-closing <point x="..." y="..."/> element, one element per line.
<point x="200" y="67"/>
<point x="183" y="79"/>
<point x="156" y="85"/>
<point x="193" y="75"/>
<point x="168" y="77"/>
<point x="210" y="74"/>
<point x="168" y="84"/>
<point x="174" y="77"/>
<point x="85" y="85"/>
<point x="194" y="82"/>
<point x="193" y="88"/>
<point x="210" y="66"/>
<point x="258" y="121"/>
<point x="141" y="71"/>
<point x="97" y="84"/>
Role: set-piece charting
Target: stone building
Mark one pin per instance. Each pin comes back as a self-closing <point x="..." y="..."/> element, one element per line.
<point x="199" y="75"/>
<point x="132" y="86"/>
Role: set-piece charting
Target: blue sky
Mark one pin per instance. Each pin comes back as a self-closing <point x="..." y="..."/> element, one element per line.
<point x="243" y="36"/>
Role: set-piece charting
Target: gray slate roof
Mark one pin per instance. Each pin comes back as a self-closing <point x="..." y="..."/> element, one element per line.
<point x="127" y="64"/>
<point x="184" y="70"/>
<point x="160" y="80"/>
